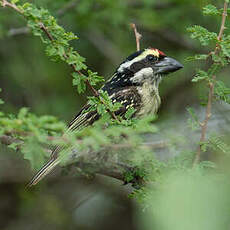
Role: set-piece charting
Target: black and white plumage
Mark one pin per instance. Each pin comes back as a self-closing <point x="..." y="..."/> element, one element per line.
<point x="134" y="84"/>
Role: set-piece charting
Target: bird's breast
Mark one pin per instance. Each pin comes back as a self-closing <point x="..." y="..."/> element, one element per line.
<point x="150" y="99"/>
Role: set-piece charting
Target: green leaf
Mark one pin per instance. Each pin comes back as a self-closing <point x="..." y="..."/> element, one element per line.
<point x="197" y="57"/>
<point x="200" y="76"/>
<point x="79" y="81"/>
<point x="129" y="113"/>
<point x="93" y="78"/>
<point x="207" y="165"/>
<point x="101" y="109"/>
<point x="115" y="106"/>
<point x="51" y="50"/>
<point x="22" y="113"/>
<point x="211" y="10"/>
<point x="201" y="56"/>
<point x="193" y="114"/>
<point x="203" y="146"/>
<point x="225" y="46"/>
<point x="60" y="50"/>
<point x="214" y="69"/>
<point x="72" y="60"/>
<point x="222" y="92"/>
<point x="216" y="143"/>
<point x="202" y="34"/>
<point x="14" y="1"/>
<point x="193" y="122"/>
<point x="33" y="152"/>
<point x="104" y="96"/>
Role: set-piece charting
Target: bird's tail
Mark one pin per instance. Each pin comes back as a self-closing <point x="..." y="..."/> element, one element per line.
<point x="47" y="168"/>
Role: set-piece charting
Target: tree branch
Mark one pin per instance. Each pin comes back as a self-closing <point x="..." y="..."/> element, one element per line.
<point x="98" y="162"/>
<point x="105" y="166"/>
<point x="224" y="16"/>
<point x="43" y="28"/>
<point x="8" y="140"/>
<point x="11" y="5"/>
<point x="204" y="124"/>
<point x="50" y="37"/>
<point x="138" y="36"/>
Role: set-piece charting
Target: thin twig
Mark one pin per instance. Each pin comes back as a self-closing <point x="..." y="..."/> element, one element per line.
<point x="137" y="35"/>
<point x="93" y="90"/>
<point x="224" y="16"/>
<point x="7" y="139"/>
<point x="97" y="162"/>
<point x="50" y="37"/>
<point x="44" y="29"/>
<point x="11" y="5"/>
<point x="204" y="124"/>
<point x="25" y="30"/>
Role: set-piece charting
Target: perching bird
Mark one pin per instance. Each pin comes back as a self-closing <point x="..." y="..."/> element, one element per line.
<point x="134" y="84"/>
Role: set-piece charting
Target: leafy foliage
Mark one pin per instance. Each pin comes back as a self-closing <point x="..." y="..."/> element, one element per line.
<point x="219" y="59"/>
<point x="222" y="92"/>
<point x="32" y="130"/>
<point x="202" y="34"/>
<point x="35" y="131"/>
<point x="58" y="48"/>
<point x="201" y="75"/>
<point x="211" y="10"/>
<point x="164" y="179"/>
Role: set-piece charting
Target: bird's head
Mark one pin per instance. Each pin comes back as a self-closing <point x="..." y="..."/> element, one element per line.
<point x="145" y="65"/>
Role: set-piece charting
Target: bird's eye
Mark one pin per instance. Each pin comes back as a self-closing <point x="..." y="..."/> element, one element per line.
<point x="151" y="58"/>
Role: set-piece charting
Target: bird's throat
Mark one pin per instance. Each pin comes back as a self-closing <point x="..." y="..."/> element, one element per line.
<point x="150" y="98"/>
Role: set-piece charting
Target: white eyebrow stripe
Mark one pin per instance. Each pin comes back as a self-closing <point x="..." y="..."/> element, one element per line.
<point x="138" y="58"/>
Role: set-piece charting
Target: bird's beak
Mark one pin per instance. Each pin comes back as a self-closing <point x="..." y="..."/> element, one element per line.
<point x="167" y="65"/>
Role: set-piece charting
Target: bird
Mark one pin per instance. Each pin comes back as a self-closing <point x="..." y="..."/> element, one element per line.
<point x="134" y="84"/>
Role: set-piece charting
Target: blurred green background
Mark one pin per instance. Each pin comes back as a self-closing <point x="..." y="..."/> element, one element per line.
<point x="29" y="79"/>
